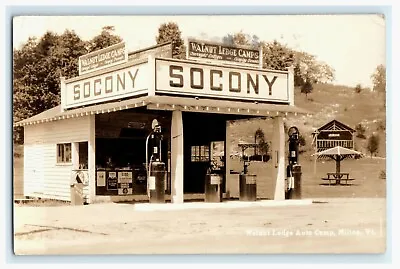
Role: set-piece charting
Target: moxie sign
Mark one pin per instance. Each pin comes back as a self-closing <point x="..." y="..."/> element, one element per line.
<point x="106" y="57"/>
<point x="219" y="52"/>
<point x="187" y="78"/>
<point x="128" y="81"/>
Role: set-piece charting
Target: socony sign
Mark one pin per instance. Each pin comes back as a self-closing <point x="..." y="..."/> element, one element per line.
<point x="183" y="78"/>
<point x="129" y="81"/>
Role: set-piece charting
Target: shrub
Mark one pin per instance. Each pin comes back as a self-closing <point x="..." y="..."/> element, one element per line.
<point x="358" y="88"/>
<point x="373" y="143"/>
<point x="302" y="141"/>
<point x="382" y="174"/>
<point x="360" y="129"/>
<point x="381" y="126"/>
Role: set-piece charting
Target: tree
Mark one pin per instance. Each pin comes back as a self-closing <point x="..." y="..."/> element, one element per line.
<point x="308" y="67"/>
<point x="298" y="79"/>
<point x="358" y="88"/>
<point x="360" y="129"/>
<point x="275" y="55"/>
<point x="278" y="56"/>
<point x="38" y="66"/>
<point x="373" y="143"/>
<point x="381" y="126"/>
<point x="307" y="88"/>
<point x="379" y="79"/>
<point x="379" y="82"/>
<point x="105" y="39"/>
<point x="262" y="145"/>
<point x="241" y="39"/>
<point x="170" y="32"/>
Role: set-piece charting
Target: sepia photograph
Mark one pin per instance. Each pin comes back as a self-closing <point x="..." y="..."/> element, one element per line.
<point x="199" y="134"/>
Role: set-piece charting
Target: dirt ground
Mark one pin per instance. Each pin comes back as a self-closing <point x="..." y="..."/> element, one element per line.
<point x="334" y="225"/>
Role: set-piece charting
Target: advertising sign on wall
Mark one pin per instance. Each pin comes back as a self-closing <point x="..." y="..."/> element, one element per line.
<point x="124" y="182"/>
<point x="121" y="83"/>
<point x="99" y="59"/>
<point x="241" y="83"/>
<point x="112" y="181"/>
<point x="101" y="178"/>
<point x="198" y="49"/>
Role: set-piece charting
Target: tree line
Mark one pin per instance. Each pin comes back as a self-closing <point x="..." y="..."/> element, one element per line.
<point x="39" y="64"/>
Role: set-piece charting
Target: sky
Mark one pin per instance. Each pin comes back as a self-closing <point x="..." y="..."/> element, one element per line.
<point x="354" y="45"/>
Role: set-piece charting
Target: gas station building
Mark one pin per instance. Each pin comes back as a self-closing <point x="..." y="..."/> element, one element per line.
<point x="99" y="130"/>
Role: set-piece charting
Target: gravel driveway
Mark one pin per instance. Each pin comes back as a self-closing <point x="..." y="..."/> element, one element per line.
<point x="337" y="225"/>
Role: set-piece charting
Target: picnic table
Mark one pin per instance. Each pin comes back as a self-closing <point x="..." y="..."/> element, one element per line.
<point x="337" y="177"/>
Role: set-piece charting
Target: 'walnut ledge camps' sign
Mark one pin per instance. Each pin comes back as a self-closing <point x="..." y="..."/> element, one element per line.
<point x="112" y="55"/>
<point x="219" y="52"/>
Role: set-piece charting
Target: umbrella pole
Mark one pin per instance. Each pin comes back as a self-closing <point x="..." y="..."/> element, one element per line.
<point x="337" y="164"/>
<point x="337" y="169"/>
<point x="315" y="165"/>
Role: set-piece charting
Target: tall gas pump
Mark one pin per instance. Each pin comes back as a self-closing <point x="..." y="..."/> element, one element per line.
<point x="293" y="170"/>
<point x="155" y="167"/>
<point x="247" y="182"/>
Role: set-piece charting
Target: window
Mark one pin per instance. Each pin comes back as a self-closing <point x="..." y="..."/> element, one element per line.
<point x="83" y="155"/>
<point x="64" y="153"/>
<point x="200" y="154"/>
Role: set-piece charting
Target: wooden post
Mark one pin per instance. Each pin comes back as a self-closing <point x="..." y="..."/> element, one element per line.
<point x="177" y="157"/>
<point x="92" y="158"/>
<point x="228" y="180"/>
<point x="152" y="74"/>
<point x="291" y="85"/>
<point x="315" y="160"/>
<point x="278" y="158"/>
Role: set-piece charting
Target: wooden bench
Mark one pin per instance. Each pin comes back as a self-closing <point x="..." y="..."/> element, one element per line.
<point x="337" y="177"/>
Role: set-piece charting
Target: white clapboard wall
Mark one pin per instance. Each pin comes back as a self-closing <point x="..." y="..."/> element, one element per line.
<point x="43" y="177"/>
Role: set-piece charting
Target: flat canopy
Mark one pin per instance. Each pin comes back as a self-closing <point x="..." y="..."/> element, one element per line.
<point x="341" y="151"/>
<point x="168" y="103"/>
<point x="338" y="154"/>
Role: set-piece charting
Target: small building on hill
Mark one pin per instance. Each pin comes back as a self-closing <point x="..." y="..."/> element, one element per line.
<point x="332" y="134"/>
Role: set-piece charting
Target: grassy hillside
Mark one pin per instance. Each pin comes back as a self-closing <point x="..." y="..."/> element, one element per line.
<point x="327" y="102"/>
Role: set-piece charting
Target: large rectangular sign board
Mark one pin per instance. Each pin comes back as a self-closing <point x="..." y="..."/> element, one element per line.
<point x="121" y="83"/>
<point x="194" y="79"/>
<point x="238" y="55"/>
<point x="99" y="59"/>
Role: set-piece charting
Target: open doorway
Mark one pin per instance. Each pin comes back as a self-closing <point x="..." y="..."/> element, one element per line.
<point x="204" y="147"/>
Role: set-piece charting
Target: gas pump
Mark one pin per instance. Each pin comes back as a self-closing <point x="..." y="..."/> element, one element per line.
<point x="247" y="182"/>
<point x="155" y="167"/>
<point x="293" y="133"/>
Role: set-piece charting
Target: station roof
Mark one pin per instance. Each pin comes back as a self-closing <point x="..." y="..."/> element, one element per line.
<point x="168" y="103"/>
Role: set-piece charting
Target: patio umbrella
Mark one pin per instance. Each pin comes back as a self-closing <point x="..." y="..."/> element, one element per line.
<point x="338" y="154"/>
